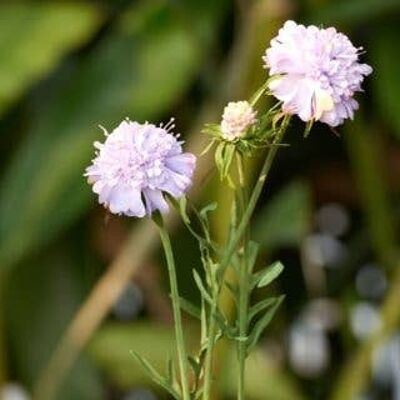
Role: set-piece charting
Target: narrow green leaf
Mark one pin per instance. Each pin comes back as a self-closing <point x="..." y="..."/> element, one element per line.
<point x="195" y="366"/>
<point x="203" y="291"/>
<point x="190" y="308"/>
<point x="267" y="275"/>
<point x="208" y="208"/>
<point x="234" y="290"/>
<point x="155" y="375"/>
<point x="171" y="375"/>
<point x="199" y="393"/>
<point x="227" y="330"/>
<point x="203" y="320"/>
<point x="262" y="323"/>
<point x="182" y="209"/>
<point x="251" y="254"/>
<point x="235" y="264"/>
<point x="260" y="306"/>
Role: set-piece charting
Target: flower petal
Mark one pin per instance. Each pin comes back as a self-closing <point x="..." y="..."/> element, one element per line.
<point x="155" y="201"/>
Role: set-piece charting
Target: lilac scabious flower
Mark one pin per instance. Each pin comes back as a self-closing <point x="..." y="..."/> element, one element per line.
<point x="136" y="165"/>
<point x="315" y="73"/>
<point x="237" y="118"/>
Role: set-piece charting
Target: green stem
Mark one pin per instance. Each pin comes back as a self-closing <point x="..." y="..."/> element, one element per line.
<point x="180" y="342"/>
<point x="237" y="236"/>
<point x="243" y="308"/>
<point x="243" y="286"/>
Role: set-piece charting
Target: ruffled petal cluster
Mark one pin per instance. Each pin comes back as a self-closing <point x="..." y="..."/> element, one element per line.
<point x="237" y="118"/>
<point x="136" y="165"/>
<point x="315" y="73"/>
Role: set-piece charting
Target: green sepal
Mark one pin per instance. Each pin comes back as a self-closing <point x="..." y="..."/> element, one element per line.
<point x="224" y="154"/>
<point x="213" y="130"/>
<point x="257" y="95"/>
<point x="218" y="156"/>
<point x="208" y="147"/>
<point x="308" y="128"/>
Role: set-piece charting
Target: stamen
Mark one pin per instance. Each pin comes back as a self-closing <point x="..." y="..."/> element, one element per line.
<point x="103" y="129"/>
<point x="169" y="126"/>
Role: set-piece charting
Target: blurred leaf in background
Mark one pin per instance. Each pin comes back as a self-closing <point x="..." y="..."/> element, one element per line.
<point x="130" y="72"/>
<point x="32" y="43"/>
<point x="285" y="219"/>
<point x="137" y="64"/>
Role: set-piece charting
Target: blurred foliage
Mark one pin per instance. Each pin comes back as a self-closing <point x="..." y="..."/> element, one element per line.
<point x="154" y="342"/>
<point x="27" y="54"/>
<point x="285" y="220"/>
<point x="388" y="85"/>
<point x="122" y="75"/>
<point x="351" y="12"/>
<point x="68" y="66"/>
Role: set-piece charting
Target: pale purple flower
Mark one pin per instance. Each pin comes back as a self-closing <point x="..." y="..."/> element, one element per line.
<point x="315" y="72"/>
<point x="237" y="118"/>
<point x="136" y="165"/>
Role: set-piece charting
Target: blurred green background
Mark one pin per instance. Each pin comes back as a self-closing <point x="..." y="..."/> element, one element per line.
<point x="330" y="213"/>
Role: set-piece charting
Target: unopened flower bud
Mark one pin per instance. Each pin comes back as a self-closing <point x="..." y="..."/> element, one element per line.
<point x="236" y="119"/>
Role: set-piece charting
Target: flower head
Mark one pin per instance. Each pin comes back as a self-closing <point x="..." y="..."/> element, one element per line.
<point x="236" y="119"/>
<point x="136" y="165"/>
<point x="316" y="72"/>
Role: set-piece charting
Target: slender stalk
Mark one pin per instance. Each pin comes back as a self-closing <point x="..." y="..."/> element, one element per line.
<point x="180" y="342"/>
<point x="243" y="308"/>
<point x="237" y="236"/>
<point x="243" y="285"/>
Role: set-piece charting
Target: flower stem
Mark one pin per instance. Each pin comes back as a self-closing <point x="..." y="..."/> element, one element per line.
<point x="243" y="285"/>
<point x="237" y="236"/>
<point x="243" y="308"/>
<point x="180" y="343"/>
